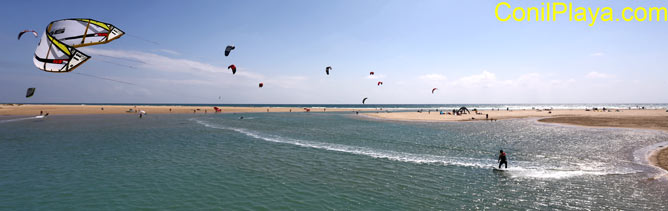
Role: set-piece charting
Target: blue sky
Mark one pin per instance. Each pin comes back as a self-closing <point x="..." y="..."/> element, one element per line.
<point x="173" y="52"/>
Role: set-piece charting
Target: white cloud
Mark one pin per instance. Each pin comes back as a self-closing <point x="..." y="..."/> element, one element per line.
<point x="153" y="61"/>
<point x="483" y="79"/>
<point x="173" y="52"/>
<point x="433" y="77"/>
<point x="202" y="72"/>
<point x="598" y="75"/>
<point x="375" y="76"/>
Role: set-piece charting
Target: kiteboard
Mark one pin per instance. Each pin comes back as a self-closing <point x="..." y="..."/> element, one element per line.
<point x="40" y="117"/>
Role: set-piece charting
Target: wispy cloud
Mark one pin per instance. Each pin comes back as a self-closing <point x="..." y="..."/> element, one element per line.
<point x="375" y="76"/>
<point x="483" y="79"/>
<point x="173" y="52"/>
<point x="598" y="75"/>
<point x="153" y="61"/>
<point x="433" y="77"/>
<point x="202" y="72"/>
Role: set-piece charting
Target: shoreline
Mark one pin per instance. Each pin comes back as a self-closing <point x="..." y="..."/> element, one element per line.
<point x="652" y="119"/>
<point x="659" y="157"/>
<point x="36" y="109"/>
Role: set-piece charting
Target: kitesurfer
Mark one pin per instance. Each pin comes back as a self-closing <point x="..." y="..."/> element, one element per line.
<point x="503" y="159"/>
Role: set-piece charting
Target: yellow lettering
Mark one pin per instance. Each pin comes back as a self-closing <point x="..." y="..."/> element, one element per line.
<point x="555" y="11"/>
<point x="496" y="11"/>
<point x="644" y="15"/>
<point x="529" y="13"/>
<point x="658" y="13"/>
<point x="606" y="16"/>
<point x="593" y="16"/>
<point x="570" y="11"/>
<point x="582" y="16"/>
<point x="515" y="14"/>
<point x="624" y="14"/>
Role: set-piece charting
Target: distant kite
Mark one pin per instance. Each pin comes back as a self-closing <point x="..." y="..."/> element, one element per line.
<point x="24" y="31"/>
<point x="371" y="73"/>
<point x="434" y="89"/>
<point x="30" y="92"/>
<point x="234" y="69"/>
<point x="327" y="69"/>
<point x="228" y="49"/>
<point x="380" y="83"/>
<point x="261" y="85"/>
<point x="364" y="100"/>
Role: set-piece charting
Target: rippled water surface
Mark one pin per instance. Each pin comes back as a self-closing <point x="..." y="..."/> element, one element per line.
<point x="320" y="161"/>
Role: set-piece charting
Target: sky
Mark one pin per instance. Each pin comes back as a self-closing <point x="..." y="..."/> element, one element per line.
<point x="173" y="52"/>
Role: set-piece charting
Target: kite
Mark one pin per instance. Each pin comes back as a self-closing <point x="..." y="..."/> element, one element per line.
<point x="371" y="73"/>
<point x="261" y="85"/>
<point x="228" y="49"/>
<point x="30" y="92"/>
<point x="234" y="69"/>
<point x="380" y="83"/>
<point x="327" y="69"/>
<point x="57" y="50"/>
<point x="364" y="100"/>
<point x="434" y="89"/>
<point x="24" y="31"/>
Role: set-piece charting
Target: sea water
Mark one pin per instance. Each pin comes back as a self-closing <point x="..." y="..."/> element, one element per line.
<point x="315" y="161"/>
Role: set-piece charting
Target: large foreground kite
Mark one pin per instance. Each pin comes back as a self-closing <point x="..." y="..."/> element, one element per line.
<point x="56" y="51"/>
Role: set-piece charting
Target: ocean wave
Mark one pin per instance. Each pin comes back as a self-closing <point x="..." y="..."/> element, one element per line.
<point x="522" y="169"/>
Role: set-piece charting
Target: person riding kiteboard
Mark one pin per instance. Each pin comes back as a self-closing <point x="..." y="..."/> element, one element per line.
<point x="503" y="159"/>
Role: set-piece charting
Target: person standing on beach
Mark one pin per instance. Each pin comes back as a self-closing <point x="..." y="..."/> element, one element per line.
<point x="503" y="159"/>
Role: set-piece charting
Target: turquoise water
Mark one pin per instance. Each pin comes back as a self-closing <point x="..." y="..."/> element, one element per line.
<point x="315" y="161"/>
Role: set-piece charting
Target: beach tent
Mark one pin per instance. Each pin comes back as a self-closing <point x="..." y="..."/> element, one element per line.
<point x="463" y="110"/>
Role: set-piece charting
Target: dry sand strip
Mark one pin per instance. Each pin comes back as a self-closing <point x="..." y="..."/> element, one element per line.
<point x="34" y="109"/>
<point x="435" y="116"/>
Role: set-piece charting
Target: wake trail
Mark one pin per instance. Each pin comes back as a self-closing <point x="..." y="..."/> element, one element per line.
<point x="18" y="119"/>
<point x="520" y="168"/>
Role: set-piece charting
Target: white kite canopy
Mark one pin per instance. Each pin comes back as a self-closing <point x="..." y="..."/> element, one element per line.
<point x="56" y="51"/>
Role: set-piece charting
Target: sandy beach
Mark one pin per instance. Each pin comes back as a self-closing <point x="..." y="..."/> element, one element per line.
<point x="34" y="109"/>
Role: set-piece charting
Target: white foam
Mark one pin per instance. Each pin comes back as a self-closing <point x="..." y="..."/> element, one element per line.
<point x="520" y="168"/>
<point x="20" y="119"/>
